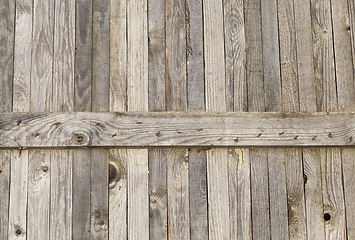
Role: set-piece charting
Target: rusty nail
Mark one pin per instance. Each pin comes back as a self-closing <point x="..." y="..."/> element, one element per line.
<point x="296" y="137"/>
<point x="200" y="129"/>
<point x="179" y="132"/>
<point x="139" y="122"/>
<point x="330" y="135"/>
<point x="36" y="134"/>
<point x="114" y="135"/>
<point x="18" y="123"/>
<point x="281" y="133"/>
<point x="158" y="134"/>
<point x="351" y="138"/>
<point x="220" y="139"/>
<point x="314" y="138"/>
<point x="237" y="139"/>
<point x="259" y="134"/>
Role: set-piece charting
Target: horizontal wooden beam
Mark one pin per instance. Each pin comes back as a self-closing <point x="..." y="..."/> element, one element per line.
<point x="185" y="129"/>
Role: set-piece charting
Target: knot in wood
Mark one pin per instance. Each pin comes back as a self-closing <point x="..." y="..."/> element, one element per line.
<point x="80" y="139"/>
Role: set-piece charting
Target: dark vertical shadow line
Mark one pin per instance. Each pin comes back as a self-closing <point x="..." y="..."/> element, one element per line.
<point x="278" y="38"/>
<point x="344" y="193"/>
<point x="296" y="50"/>
<point x="262" y="61"/>
<point x="304" y="192"/>
<point x="335" y="65"/>
<point x="224" y="58"/>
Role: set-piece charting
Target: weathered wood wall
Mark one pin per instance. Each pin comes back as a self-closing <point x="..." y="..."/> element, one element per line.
<point x="169" y="55"/>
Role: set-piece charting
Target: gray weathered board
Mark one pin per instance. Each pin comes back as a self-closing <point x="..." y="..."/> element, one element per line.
<point x="169" y="119"/>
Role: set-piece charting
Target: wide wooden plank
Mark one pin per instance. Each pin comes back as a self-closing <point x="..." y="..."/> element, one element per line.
<point x="38" y="209"/>
<point x="7" y="30"/>
<point x="333" y="194"/>
<point x="83" y="55"/>
<point x="5" y="160"/>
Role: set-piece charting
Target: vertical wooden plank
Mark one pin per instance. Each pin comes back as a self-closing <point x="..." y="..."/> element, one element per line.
<point x="101" y="56"/>
<point x="137" y="100"/>
<point x="333" y="194"/>
<point x="83" y="55"/>
<point x="234" y="40"/>
<point x="61" y="194"/>
<point x="38" y="209"/>
<point x="118" y="55"/>
<point x="313" y="193"/>
<point x="271" y="58"/>
<point x="351" y="28"/>
<point x="195" y="64"/>
<point x="217" y="159"/>
<point x="343" y="57"/>
<point x="5" y="159"/>
<point x="178" y="194"/>
<point x="7" y="28"/>
<point x="42" y="55"/>
<point x="82" y="102"/>
<point x="254" y="56"/>
<point x="81" y="194"/>
<point x="278" y="194"/>
<point x="323" y="56"/>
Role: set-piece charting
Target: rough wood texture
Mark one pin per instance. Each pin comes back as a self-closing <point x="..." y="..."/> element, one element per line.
<point x="333" y="194"/>
<point x="323" y="56"/>
<point x="42" y="55"/>
<point x="175" y="129"/>
<point x="83" y="55"/>
<point x="118" y="194"/>
<point x="234" y="40"/>
<point x="5" y="160"/>
<point x="313" y="193"/>
<point x="178" y="194"/>
<point x="61" y="194"/>
<point x="39" y="171"/>
<point x="7" y="29"/>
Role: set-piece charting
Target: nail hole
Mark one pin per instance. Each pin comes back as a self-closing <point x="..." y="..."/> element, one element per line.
<point x="327" y="216"/>
<point x="44" y="168"/>
<point x="18" y="232"/>
<point x="305" y="178"/>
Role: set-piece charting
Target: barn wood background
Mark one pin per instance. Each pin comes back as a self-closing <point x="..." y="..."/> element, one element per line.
<point x="170" y="55"/>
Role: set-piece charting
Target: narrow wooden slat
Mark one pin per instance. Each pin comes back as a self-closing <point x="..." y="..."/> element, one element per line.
<point x="235" y="55"/>
<point x="343" y="57"/>
<point x="195" y="48"/>
<point x="351" y="28"/>
<point x="349" y="189"/>
<point x="178" y="194"/>
<point x="61" y="194"/>
<point x="42" y="55"/>
<point x="38" y="209"/>
<point x="7" y="29"/>
<point x="5" y="174"/>
<point x="323" y="56"/>
<point x="254" y="56"/>
<point x="118" y="194"/>
<point x="271" y="58"/>
<point x="333" y="194"/>
<point x="83" y="55"/>
<point x="81" y="194"/>
<point x="137" y="100"/>
<point x="278" y="194"/>
<point x="313" y="193"/>
<point x="118" y="55"/>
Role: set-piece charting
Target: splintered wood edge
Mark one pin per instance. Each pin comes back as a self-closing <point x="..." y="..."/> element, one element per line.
<point x="180" y="129"/>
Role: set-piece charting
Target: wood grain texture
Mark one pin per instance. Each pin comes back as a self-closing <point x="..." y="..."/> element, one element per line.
<point x="61" y="194"/>
<point x="271" y="58"/>
<point x="277" y="194"/>
<point x="323" y="56"/>
<point x="259" y="184"/>
<point x="195" y="56"/>
<point x="313" y="193"/>
<point x="38" y="209"/>
<point x="343" y="57"/>
<point x="5" y="174"/>
<point x="81" y="194"/>
<point x="239" y="193"/>
<point x="138" y="198"/>
<point x="288" y="56"/>
<point x="175" y="129"/>
<point x="7" y="30"/>
<point x="118" y="194"/>
<point x="83" y="55"/>
<point x="234" y="41"/>
<point x="305" y="64"/>
<point x="18" y="195"/>
<point x="22" y="56"/>
<point x="156" y="55"/>
<point x="333" y="194"/>
<point x="176" y="95"/>
<point x="349" y="189"/>
<point x="99" y="194"/>
<point x="158" y="203"/>
<point x="42" y="56"/>
<point x="118" y="55"/>
<point x="254" y="56"/>
<point x="351" y="5"/>
<point x="178" y="193"/>
<point x="198" y="194"/>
